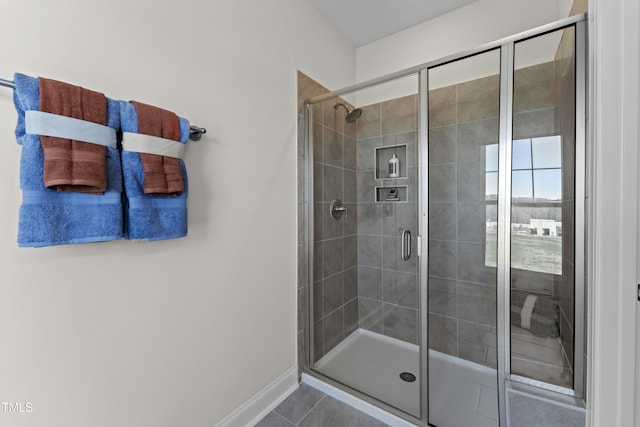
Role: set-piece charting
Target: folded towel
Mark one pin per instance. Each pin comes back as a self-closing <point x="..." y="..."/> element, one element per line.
<point x="151" y="215"/>
<point x="162" y="175"/>
<point x="71" y="165"/>
<point x="48" y="217"/>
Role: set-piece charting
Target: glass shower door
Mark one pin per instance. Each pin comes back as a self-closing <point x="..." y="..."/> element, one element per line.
<point x="365" y="228"/>
<point x="543" y="212"/>
<point x="463" y="136"/>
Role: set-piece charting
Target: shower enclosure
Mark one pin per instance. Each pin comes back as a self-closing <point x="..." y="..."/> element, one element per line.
<point x="442" y="233"/>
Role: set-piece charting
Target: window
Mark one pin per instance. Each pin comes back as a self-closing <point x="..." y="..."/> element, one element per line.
<point x="536" y="210"/>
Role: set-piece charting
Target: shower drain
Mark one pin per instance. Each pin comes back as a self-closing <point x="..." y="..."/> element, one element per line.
<point x="408" y="377"/>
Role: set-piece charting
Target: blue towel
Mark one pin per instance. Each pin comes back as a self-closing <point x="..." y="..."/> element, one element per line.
<point x="150" y="217"/>
<point x="48" y="217"/>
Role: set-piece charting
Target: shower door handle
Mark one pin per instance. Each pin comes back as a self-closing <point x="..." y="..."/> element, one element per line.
<point x="405" y="245"/>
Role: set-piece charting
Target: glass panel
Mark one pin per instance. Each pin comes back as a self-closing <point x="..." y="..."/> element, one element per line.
<point x="546" y="152"/>
<point x="464" y="100"/>
<point x="365" y="296"/>
<point x="542" y="206"/>
<point x="521" y="154"/>
<point x="491" y="186"/>
<point x="547" y="184"/>
<point x="491" y="157"/>
<point x="522" y="186"/>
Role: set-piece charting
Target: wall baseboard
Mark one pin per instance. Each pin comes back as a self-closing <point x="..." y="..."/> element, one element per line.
<point x="258" y="406"/>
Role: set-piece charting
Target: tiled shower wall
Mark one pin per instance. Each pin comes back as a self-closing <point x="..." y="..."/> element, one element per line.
<point x="335" y="243"/>
<point x="387" y="286"/>
<point x="564" y="75"/>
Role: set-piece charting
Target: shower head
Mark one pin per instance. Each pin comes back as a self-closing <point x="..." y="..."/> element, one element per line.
<point x="352" y="115"/>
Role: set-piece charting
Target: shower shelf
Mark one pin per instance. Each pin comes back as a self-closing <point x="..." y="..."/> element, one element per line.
<point x="384" y="194"/>
<point x="382" y="156"/>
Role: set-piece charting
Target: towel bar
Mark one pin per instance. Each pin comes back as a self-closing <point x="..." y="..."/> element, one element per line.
<point x="195" y="134"/>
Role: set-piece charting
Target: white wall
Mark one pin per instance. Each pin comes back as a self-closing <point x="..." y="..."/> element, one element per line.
<point x="178" y="332"/>
<point x="480" y="22"/>
<point x="614" y="377"/>
<point x="469" y="27"/>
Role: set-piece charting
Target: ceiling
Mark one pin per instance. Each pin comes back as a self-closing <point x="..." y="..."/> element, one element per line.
<point x="364" y="21"/>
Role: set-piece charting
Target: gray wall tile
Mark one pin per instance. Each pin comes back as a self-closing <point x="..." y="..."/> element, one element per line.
<point x="349" y="153"/>
<point x="369" y="251"/>
<point x="366" y="186"/>
<point x="307" y="88"/>
<point x="333" y="256"/>
<point x="330" y="227"/>
<point x="442" y="220"/>
<point x="472" y="224"/>
<point x="365" y="159"/>
<point x="318" y="299"/>
<point x="318" y="340"/>
<point x="400" y="288"/>
<point x="399" y="115"/>
<point x="411" y="141"/>
<point x="333" y="293"/>
<point x="317" y="182"/>
<point x="471" y="182"/>
<point x="350" y="278"/>
<point x="350" y="186"/>
<point x="471" y="264"/>
<point x="478" y="99"/>
<point x="477" y="343"/>
<point x="350" y="222"/>
<point x="318" y="260"/>
<point x="333" y="330"/>
<point x="443" y="259"/>
<point x="442" y="183"/>
<point x="350" y="317"/>
<point x="473" y="137"/>
<point x="368" y="124"/>
<point x="477" y="303"/>
<point x="442" y="145"/>
<point x="370" y="283"/>
<point x="369" y="218"/>
<point x="331" y="183"/>
<point x="350" y="252"/>
<point x="442" y="106"/>
<point x="533" y="88"/>
<point x="333" y="118"/>
<point x="532" y="124"/>
<point x="370" y="314"/>
<point x="400" y="322"/>
<point x="443" y="334"/>
<point x="443" y="296"/>
<point x="332" y="147"/>
<point x="318" y="131"/>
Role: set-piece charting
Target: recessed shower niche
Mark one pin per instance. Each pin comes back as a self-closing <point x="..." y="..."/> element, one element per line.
<point x="391" y="194"/>
<point x="389" y="160"/>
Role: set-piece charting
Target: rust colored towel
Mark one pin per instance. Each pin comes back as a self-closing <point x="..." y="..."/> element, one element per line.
<point x="162" y="176"/>
<point x="69" y="165"/>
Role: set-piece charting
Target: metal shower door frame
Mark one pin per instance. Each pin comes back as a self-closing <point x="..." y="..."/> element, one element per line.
<point x="504" y="376"/>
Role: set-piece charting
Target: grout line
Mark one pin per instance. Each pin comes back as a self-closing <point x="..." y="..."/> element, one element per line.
<point x="284" y="418"/>
<point x="311" y="410"/>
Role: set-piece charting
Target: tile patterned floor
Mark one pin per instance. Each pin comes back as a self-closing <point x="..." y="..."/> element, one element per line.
<point x="308" y="407"/>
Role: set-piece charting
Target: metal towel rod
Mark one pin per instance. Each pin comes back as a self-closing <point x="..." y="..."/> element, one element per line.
<point x="194" y="134"/>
